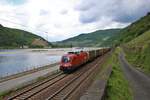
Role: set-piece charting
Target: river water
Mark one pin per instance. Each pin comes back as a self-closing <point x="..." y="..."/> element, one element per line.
<point x="14" y="61"/>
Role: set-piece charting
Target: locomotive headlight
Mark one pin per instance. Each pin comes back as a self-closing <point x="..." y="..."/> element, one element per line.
<point x="68" y="59"/>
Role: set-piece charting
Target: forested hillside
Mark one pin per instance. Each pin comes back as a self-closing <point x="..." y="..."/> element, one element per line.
<point x="15" y="38"/>
<point x="97" y="38"/>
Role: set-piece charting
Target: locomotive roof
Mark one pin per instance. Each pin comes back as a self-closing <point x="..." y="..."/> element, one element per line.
<point x="70" y="55"/>
<point x="73" y="53"/>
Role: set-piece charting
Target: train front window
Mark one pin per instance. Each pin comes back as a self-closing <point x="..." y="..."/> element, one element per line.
<point x="65" y="59"/>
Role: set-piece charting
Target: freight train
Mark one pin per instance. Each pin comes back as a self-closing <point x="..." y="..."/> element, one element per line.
<point x="73" y="60"/>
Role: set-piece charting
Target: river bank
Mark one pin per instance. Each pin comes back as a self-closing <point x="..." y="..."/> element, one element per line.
<point x="2" y="79"/>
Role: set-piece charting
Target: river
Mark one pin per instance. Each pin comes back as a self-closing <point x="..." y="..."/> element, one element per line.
<point x="15" y="61"/>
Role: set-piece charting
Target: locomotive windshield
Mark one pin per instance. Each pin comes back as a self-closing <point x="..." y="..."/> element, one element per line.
<point x="65" y="59"/>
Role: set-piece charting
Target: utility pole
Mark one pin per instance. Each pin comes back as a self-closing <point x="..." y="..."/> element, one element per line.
<point x="46" y="36"/>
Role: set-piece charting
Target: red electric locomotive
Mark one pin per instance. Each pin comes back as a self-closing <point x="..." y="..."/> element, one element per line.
<point x="73" y="60"/>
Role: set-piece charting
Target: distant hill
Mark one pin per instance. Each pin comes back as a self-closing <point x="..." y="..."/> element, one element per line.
<point x="109" y="37"/>
<point x="15" y="38"/>
<point x="96" y="38"/>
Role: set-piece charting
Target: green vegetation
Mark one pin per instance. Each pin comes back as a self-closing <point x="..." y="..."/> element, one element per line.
<point x="14" y="38"/>
<point x="134" y="30"/>
<point x="36" y="46"/>
<point x="138" y="52"/>
<point x="117" y="87"/>
<point x="2" y="94"/>
<point x="135" y="40"/>
<point x="97" y="38"/>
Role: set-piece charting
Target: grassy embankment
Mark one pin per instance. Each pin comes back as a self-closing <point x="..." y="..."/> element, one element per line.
<point x="138" y="52"/>
<point x="117" y="86"/>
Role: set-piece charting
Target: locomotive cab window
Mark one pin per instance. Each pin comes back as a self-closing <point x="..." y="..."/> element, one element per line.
<point x="65" y="59"/>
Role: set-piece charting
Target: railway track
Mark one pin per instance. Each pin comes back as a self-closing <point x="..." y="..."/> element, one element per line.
<point x="27" y="89"/>
<point x="59" y="87"/>
<point x="64" y="92"/>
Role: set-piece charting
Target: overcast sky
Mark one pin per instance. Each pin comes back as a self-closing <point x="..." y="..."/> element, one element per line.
<point x="60" y="19"/>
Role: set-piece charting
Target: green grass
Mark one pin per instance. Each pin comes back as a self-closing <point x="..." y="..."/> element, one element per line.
<point x="138" y="52"/>
<point x="2" y="94"/>
<point x="117" y="86"/>
<point x="140" y="40"/>
<point x="141" y="60"/>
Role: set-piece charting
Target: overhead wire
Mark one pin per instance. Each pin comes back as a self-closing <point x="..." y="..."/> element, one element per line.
<point x="39" y="31"/>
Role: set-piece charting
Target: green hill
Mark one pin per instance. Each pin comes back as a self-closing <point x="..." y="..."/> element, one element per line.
<point x="140" y="41"/>
<point x="96" y="38"/>
<point x="134" y="30"/>
<point x="135" y="40"/>
<point x="138" y="52"/>
<point x="130" y="32"/>
<point x="15" y="38"/>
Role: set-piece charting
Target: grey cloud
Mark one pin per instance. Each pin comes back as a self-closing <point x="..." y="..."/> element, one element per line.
<point x="63" y="12"/>
<point x="128" y="11"/>
<point x="43" y="12"/>
<point x="57" y="25"/>
<point x="89" y="16"/>
<point x="88" y="19"/>
<point x="123" y="11"/>
<point x="83" y="5"/>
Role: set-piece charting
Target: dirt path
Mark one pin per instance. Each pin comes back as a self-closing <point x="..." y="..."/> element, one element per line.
<point x="139" y="82"/>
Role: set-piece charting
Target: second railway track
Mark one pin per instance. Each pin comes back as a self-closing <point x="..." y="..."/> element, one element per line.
<point x="35" y="88"/>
